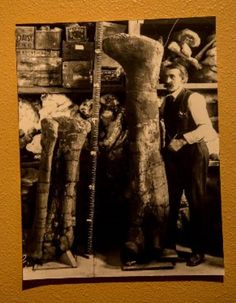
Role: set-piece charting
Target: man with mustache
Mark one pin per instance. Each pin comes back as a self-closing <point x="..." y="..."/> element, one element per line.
<point x="188" y="130"/>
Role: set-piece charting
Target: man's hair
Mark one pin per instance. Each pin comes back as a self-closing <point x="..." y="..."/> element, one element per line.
<point x="180" y="67"/>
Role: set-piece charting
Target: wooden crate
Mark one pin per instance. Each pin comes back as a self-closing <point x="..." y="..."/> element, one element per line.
<point x="39" y="71"/>
<point x="25" y="63"/>
<point x="36" y="78"/>
<point x="112" y="76"/>
<point x="49" y="39"/>
<point x="81" y="51"/>
<point x="25" y="36"/>
<point x="46" y="78"/>
<point x="25" y="79"/>
<point x="76" y="33"/>
<point x="76" y="74"/>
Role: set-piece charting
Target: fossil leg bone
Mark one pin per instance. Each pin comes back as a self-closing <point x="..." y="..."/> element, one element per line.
<point x="70" y="135"/>
<point x="141" y="58"/>
<point x="48" y="141"/>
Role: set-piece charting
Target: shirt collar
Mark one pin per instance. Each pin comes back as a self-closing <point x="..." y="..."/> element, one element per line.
<point x="175" y="93"/>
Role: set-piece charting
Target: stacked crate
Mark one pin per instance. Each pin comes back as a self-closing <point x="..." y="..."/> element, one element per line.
<point x="63" y="56"/>
<point x="77" y="55"/>
<point x="38" y="61"/>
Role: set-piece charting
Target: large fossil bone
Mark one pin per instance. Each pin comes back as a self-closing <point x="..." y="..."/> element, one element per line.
<point x="48" y="142"/>
<point x="141" y="58"/>
<point x="62" y="137"/>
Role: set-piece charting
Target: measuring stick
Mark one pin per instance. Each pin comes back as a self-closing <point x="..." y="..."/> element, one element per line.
<point x="94" y="131"/>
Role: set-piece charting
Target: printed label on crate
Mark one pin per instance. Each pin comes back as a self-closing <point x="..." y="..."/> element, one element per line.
<point x="37" y="53"/>
<point x="79" y="47"/>
<point x="25" y="37"/>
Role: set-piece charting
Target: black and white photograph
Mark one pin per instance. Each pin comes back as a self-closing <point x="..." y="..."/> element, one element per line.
<point x="119" y="149"/>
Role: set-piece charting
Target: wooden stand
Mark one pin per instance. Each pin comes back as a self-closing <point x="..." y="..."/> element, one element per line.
<point x="68" y="259"/>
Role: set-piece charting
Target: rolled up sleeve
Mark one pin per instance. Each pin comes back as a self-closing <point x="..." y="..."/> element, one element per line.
<point x="204" y="130"/>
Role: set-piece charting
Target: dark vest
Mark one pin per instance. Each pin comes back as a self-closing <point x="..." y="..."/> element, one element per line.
<point x="177" y="116"/>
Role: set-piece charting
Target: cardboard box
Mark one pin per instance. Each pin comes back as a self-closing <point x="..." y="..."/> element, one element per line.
<point x="81" y="51"/>
<point x="25" y="36"/>
<point x="49" y="39"/>
<point x="77" y="74"/>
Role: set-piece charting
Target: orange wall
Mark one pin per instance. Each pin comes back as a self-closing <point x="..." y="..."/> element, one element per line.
<point x="20" y="11"/>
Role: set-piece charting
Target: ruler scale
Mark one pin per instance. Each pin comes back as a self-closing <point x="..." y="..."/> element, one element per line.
<point x="94" y="131"/>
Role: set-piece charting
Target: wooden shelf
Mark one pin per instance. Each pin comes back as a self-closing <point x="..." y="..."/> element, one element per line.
<point x="51" y="90"/>
<point x="63" y="90"/>
<point x="105" y="88"/>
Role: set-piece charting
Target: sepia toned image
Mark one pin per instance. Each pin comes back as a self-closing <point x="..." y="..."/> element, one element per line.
<point x="119" y="149"/>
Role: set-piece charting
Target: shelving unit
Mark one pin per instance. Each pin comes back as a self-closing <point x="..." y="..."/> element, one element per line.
<point x="64" y="90"/>
<point x="105" y="88"/>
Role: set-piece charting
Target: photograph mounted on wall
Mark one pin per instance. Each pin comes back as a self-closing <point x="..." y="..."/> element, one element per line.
<point x="119" y="149"/>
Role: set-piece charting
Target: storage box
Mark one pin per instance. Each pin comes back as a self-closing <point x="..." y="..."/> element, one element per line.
<point x="112" y="76"/>
<point x="25" y="79"/>
<point x="76" y="33"/>
<point x="25" y="63"/>
<point x="39" y="71"/>
<point x="45" y="78"/>
<point x="80" y="51"/>
<point x="49" y="39"/>
<point x="25" y="37"/>
<point x="77" y="74"/>
<point x="36" y="78"/>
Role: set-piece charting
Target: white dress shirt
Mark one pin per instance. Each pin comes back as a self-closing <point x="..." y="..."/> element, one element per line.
<point x="204" y="130"/>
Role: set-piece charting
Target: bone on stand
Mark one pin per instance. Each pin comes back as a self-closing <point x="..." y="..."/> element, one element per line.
<point x="141" y="59"/>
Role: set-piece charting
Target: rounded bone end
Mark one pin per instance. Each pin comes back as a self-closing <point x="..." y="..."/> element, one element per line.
<point x="125" y="45"/>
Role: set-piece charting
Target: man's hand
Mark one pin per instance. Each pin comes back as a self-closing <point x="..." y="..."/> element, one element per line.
<point x="176" y="144"/>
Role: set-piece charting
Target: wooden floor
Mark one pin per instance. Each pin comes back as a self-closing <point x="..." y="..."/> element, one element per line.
<point x="109" y="266"/>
